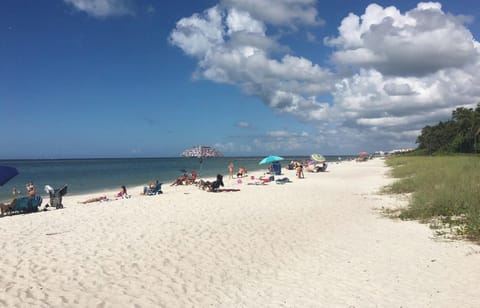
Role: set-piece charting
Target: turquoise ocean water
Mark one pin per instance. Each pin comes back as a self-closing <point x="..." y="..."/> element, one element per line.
<point x="91" y="175"/>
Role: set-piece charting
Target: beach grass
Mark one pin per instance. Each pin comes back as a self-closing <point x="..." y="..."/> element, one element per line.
<point x="443" y="188"/>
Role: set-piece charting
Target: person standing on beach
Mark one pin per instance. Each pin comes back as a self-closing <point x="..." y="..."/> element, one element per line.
<point x="230" y="170"/>
<point x="299" y="169"/>
<point x="15" y="192"/>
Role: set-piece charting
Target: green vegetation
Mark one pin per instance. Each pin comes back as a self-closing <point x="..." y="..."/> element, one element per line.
<point x="444" y="188"/>
<point x="461" y="134"/>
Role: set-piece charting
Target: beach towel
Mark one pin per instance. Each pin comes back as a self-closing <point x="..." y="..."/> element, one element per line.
<point x="226" y="190"/>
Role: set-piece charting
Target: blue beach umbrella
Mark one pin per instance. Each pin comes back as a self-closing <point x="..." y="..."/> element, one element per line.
<point x="270" y="159"/>
<point x="6" y="174"/>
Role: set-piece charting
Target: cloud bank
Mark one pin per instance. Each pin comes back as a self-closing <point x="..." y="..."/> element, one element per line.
<point x="392" y="73"/>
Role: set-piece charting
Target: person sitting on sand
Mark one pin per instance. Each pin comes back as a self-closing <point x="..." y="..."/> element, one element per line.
<point x="181" y="180"/>
<point x="192" y="178"/>
<point x="7" y="207"/>
<point x="216" y="184"/>
<point x="150" y="187"/>
<point x="32" y="194"/>
<point x="30" y="190"/>
<point x="241" y="172"/>
<point x="211" y="186"/>
<point x="123" y="193"/>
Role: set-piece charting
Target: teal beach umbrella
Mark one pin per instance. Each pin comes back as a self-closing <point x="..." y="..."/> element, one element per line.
<point x="270" y="159"/>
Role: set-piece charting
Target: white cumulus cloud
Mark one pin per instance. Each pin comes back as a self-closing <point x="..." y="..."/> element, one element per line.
<point x="394" y="72"/>
<point x="102" y="8"/>
<point x="424" y="40"/>
<point x="233" y="47"/>
<point x="279" y="12"/>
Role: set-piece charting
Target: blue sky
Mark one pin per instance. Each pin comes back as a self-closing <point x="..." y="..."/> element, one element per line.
<point x="135" y="78"/>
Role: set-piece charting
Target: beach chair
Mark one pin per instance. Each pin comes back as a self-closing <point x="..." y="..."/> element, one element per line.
<point x="56" y="196"/>
<point x="211" y="186"/>
<point x="26" y="204"/>
<point x="155" y="191"/>
<point x="323" y="168"/>
<point x="216" y="184"/>
<point x="276" y="168"/>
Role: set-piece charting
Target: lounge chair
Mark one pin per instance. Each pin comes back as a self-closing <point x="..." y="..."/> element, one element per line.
<point x="26" y="204"/>
<point x="216" y="184"/>
<point x="323" y="168"/>
<point x="212" y="186"/>
<point x="56" y="196"/>
<point x="155" y="191"/>
<point x="317" y="168"/>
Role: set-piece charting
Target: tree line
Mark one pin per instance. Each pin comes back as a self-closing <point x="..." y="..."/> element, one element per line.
<point x="460" y="134"/>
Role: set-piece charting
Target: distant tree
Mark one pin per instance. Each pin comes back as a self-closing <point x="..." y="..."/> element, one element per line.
<point x="477" y="137"/>
<point x="459" y="134"/>
<point x="465" y="122"/>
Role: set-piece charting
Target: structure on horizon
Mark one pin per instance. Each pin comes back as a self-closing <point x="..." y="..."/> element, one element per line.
<point x="201" y="151"/>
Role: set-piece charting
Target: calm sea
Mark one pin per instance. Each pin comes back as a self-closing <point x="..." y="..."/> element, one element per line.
<point x="92" y="175"/>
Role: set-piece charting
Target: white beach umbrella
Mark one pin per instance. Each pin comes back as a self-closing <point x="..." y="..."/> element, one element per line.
<point x="201" y="152"/>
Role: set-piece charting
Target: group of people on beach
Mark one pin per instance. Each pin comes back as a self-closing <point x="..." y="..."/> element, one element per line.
<point x="184" y="179"/>
<point x="122" y="194"/>
<point x="31" y="195"/>
<point x="309" y="166"/>
<point x="242" y="171"/>
<point x="189" y="179"/>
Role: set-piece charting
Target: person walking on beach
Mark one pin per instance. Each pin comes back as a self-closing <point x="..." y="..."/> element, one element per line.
<point x="230" y="170"/>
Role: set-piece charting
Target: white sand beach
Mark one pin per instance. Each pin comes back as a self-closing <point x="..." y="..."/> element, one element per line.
<point x="315" y="242"/>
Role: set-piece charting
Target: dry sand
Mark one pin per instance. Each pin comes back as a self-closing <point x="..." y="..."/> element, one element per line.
<point x="316" y="242"/>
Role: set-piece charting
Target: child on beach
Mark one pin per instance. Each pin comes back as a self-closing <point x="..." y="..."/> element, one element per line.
<point x="123" y="193"/>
